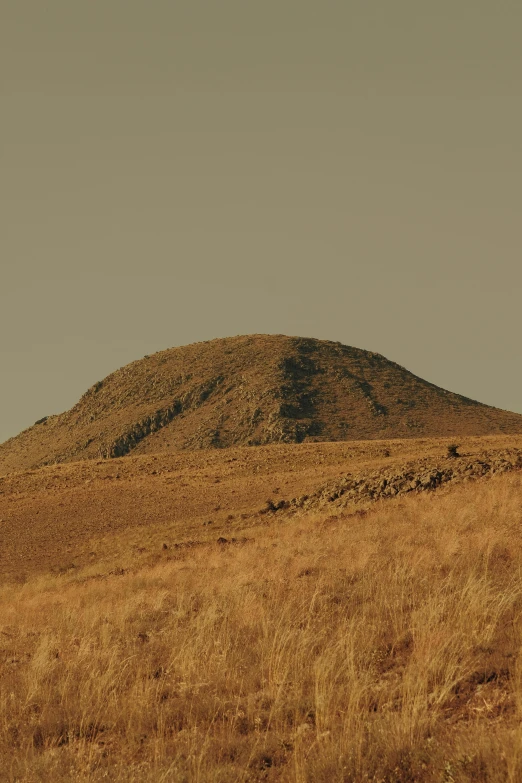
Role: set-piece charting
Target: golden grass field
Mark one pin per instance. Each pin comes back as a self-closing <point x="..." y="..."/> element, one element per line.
<point x="380" y="644"/>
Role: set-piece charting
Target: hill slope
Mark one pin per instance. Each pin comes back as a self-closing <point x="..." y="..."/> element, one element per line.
<point x="140" y="642"/>
<point x="115" y="514"/>
<point x="250" y="390"/>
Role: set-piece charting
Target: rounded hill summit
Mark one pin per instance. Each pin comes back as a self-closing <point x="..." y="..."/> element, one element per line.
<point x="250" y="390"/>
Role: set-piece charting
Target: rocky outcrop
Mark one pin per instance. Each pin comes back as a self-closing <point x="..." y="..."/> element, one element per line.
<point x="142" y="429"/>
<point x="423" y="475"/>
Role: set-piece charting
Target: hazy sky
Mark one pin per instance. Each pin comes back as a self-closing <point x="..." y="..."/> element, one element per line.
<point x="178" y="170"/>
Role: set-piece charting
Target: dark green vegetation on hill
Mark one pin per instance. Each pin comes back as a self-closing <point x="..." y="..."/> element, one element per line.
<point x="250" y="390"/>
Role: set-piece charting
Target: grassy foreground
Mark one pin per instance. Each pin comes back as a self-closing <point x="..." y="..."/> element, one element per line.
<point x="383" y="647"/>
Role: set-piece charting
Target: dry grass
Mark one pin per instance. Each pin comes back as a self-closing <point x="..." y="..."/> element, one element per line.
<point x="70" y="516"/>
<point x="380" y="647"/>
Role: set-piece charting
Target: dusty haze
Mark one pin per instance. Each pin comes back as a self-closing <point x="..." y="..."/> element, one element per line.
<point x="174" y="172"/>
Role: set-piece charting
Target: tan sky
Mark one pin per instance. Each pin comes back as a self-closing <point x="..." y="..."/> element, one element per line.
<point x="178" y="171"/>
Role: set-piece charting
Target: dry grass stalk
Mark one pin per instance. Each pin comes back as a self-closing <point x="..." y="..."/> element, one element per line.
<point x="380" y="648"/>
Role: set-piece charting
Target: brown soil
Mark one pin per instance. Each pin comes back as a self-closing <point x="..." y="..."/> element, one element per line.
<point x="166" y="629"/>
<point x="64" y="517"/>
<point x="250" y="390"/>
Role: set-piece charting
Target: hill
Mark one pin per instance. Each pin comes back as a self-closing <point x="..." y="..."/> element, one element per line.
<point x="117" y="514"/>
<point x="250" y="390"/>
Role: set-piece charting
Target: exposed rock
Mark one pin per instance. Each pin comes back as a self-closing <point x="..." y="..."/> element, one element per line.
<point x="251" y="390"/>
<point x="418" y="476"/>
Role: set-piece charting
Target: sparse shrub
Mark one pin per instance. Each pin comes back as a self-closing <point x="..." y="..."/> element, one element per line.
<point x="453" y="450"/>
<point x="270" y="507"/>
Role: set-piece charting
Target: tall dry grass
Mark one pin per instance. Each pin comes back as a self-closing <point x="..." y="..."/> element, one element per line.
<point x="380" y="648"/>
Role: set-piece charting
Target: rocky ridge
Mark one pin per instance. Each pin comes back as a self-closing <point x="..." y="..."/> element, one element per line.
<point x="423" y="475"/>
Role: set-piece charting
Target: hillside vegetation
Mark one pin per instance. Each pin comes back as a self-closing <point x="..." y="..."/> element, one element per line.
<point x="377" y="645"/>
<point x="65" y="517"/>
<point x="251" y="390"/>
